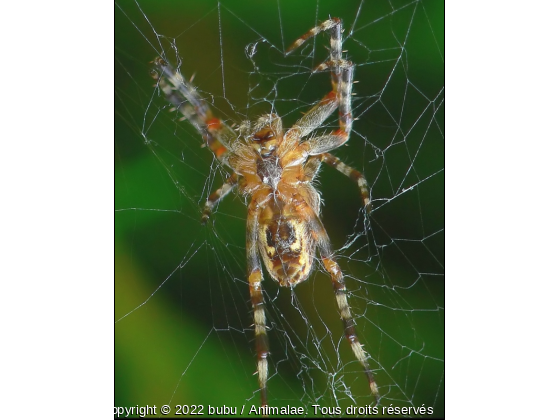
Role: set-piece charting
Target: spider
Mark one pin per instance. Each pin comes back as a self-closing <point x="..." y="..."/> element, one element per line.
<point x="276" y="168"/>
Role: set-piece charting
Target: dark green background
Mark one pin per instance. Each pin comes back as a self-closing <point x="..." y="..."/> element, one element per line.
<point x="199" y="321"/>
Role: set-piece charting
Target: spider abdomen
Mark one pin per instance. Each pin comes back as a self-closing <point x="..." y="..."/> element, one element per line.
<point x="285" y="244"/>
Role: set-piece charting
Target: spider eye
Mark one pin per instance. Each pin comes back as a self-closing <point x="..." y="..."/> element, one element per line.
<point x="265" y="141"/>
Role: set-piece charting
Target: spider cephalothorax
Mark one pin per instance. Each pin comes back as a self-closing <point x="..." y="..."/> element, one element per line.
<point x="276" y="168"/>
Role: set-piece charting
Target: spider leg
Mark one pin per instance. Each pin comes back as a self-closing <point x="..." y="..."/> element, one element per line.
<point x="351" y="173"/>
<point x="342" y="74"/>
<point x="323" y="244"/>
<point x="257" y="299"/>
<point x="313" y="165"/>
<point x="347" y="319"/>
<point x="309" y="122"/>
<point x="325" y="26"/>
<point x="337" y="138"/>
<point x="183" y="95"/>
<point x="217" y="196"/>
<point x="335" y="62"/>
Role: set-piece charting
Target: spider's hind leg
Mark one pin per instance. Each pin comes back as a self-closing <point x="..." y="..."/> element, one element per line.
<point x="323" y="245"/>
<point x="347" y="319"/>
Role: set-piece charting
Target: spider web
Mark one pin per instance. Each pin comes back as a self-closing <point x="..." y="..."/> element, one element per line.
<point x="183" y="332"/>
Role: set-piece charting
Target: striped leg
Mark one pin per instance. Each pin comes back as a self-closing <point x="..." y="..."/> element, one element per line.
<point x="347" y="319"/>
<point x="184" y="96"/>
<point x="333" y="23"/>
<point x="313" y="165"/>
<point x="217" y="196"/>
<point x="337" y="138"/>
<point x="344" y="96"/>
<point x="257" y="299"/>
<point x="342" y="74"/>
<point x="351" y="173"/>
<point x="320" y="235"/>
<point x="335" y="61"/>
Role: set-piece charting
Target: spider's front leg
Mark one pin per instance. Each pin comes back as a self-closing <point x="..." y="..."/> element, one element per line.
<point x="257" y="300"/>
<point x="185" y="98"/>
<point x="342" y="74"/>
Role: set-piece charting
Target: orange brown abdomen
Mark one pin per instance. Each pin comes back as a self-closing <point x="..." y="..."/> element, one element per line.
<point x="286" y="245"/>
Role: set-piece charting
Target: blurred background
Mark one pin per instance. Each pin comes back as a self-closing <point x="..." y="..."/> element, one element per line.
<point x="183" y="333"/>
